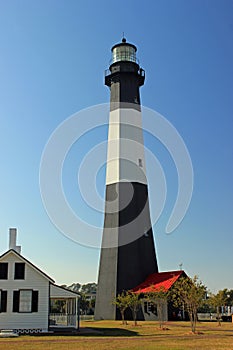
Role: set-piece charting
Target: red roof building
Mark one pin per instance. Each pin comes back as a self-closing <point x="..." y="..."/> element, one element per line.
<point x="159" y="280"/>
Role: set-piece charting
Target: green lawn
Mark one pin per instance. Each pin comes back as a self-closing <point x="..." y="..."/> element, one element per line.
<point x="147" y="335"/>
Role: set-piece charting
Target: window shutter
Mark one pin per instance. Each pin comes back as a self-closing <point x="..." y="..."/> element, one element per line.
<point x="34" y="301"/>
<point x="16" y="301"/>
<point x="3" y="271"/>
<point x="3" y="300"/>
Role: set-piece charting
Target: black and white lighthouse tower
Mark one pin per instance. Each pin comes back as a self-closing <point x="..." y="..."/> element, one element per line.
<point x="128" y="252"/>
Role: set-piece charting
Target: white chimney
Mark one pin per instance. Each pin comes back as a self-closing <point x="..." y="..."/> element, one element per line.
<point x="12" y="240"/>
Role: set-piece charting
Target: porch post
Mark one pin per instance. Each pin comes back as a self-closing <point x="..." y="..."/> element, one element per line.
<point x="78" y="310"/>
<point x="67" y="321"/>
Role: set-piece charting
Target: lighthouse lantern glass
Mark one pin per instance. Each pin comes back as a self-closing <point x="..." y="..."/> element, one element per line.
<point x="123" y="53"/>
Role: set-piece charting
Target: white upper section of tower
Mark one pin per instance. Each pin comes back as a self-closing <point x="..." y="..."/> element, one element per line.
<point x="126" y="159"/>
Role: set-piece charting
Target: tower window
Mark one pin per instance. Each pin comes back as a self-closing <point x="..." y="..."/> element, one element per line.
<point x="140" y="162"/>
<point x="3" y="271"/>
<point x="19" y="271"/>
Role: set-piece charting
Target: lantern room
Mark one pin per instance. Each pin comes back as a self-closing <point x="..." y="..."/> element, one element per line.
<point x="124" y="52"/>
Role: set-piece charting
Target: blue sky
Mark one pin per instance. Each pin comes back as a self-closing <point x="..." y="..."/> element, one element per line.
<point x="52" y="62"/>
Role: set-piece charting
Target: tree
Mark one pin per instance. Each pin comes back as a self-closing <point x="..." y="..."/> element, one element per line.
<point x="218" y="300"/>
<point x="92" y="303"/>
<point x="74" y="287"/>
<point x="159" y="298"/>
<point x="87" y="296"/>
<point x="190" y="293"/>
<point x="229" y="294"/>
<point x="88" y="288"/>
<point x="134" y="304"/>
<point x="122" y="303"/>
<point x="84" y="303"/>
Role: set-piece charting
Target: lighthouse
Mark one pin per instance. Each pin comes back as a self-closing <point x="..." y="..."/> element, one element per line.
<point x="127" y="254"/>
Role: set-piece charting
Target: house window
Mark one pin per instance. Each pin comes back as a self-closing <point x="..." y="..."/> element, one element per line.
<point x="150" y="308"/>
<point x="3" y="300"/>
<point x="3" y="271"/>
<point x="25" y="300"/>
<point x="19" y="271"/>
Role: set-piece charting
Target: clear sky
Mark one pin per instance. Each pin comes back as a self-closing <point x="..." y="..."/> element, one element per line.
<point x="52" y="62"/>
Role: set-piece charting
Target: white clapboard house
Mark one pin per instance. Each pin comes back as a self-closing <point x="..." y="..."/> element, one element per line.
<point x="30" y="301"/>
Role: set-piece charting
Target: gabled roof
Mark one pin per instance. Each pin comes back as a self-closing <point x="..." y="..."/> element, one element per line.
<point x="27" y="262"/>
<point x="159" y="280"/>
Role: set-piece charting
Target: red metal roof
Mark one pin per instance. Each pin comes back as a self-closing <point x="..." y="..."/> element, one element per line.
<point x="158" y="280"/>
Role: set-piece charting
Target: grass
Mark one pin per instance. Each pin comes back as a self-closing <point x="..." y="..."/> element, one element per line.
<point x="111" y="335"/>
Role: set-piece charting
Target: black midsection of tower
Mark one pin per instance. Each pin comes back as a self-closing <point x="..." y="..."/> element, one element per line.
<point x="124" y="80"/>
<point x="136" y="261"/>
<point x="136" y="257"/>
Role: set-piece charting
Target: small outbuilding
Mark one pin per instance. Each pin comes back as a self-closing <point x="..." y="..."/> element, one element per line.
<point x="158" y="281"/>
<point x="27" y="295"/>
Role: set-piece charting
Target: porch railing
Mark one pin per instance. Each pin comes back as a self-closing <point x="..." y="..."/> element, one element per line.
<point x="62" y="320"/>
